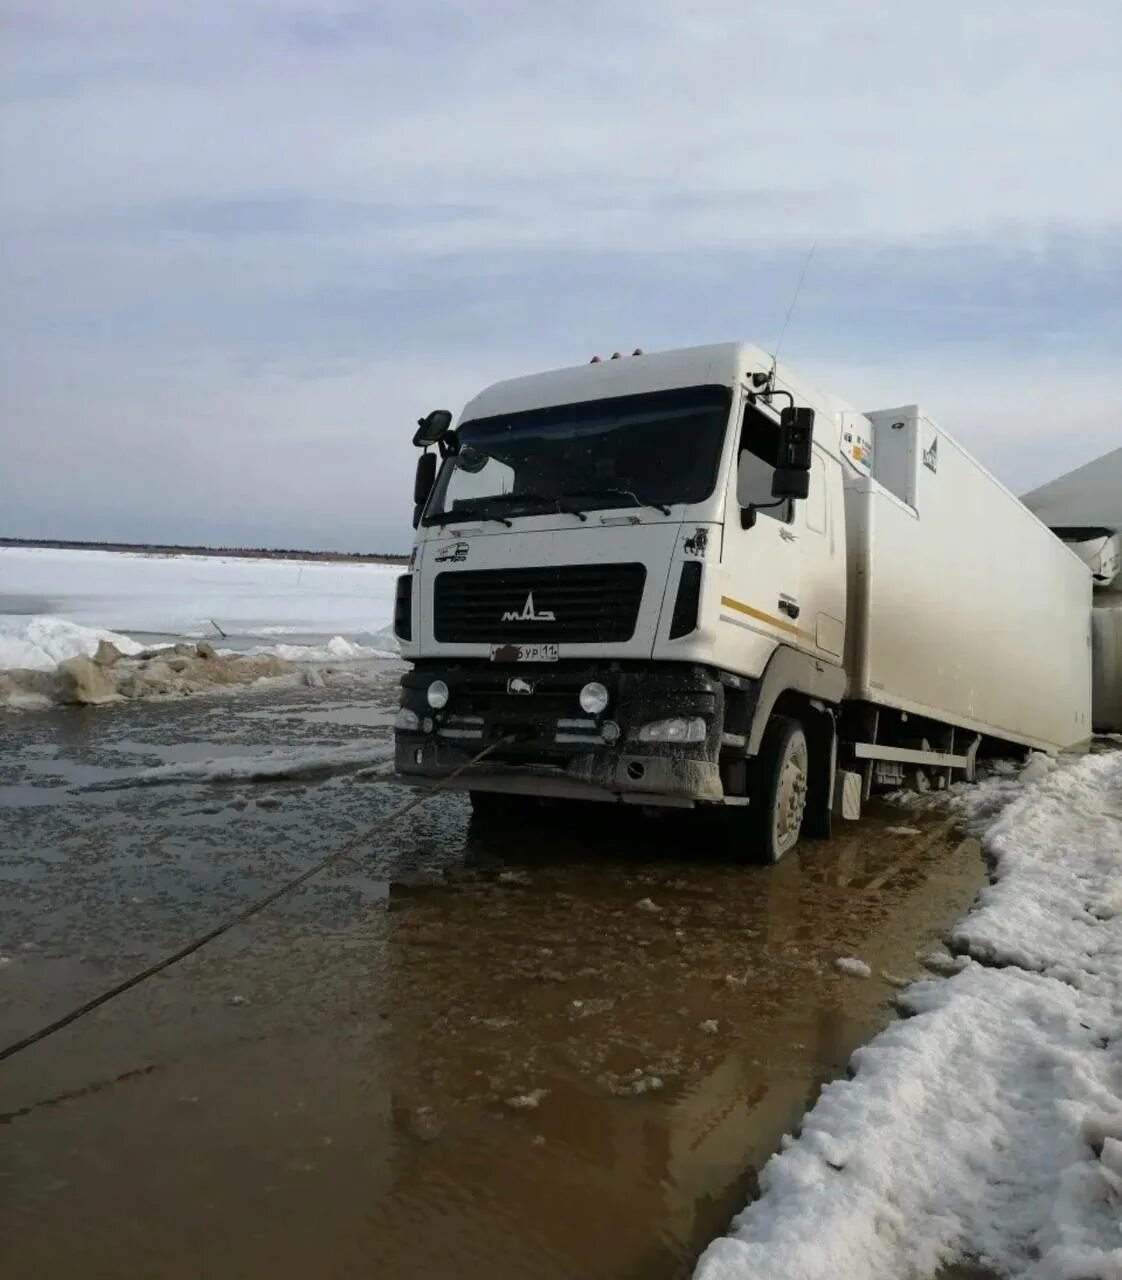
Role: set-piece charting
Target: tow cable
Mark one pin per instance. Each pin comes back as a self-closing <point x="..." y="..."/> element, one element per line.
<point x="247" y="912"/>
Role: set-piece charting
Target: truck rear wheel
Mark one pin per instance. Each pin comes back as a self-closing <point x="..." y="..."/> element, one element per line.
<point x="779" y="788"/>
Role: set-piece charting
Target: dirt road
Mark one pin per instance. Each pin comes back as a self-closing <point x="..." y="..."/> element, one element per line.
<point x="551" y="1051"/>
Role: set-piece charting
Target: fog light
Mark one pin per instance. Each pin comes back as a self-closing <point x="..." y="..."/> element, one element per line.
<point x="679" y="729"/>
<point x="610" y="731"/>
<point x="593" y="698"/>
<point x="427" y="725"/>
<point x="406" y="719"/>
<point x="437" y="695"/>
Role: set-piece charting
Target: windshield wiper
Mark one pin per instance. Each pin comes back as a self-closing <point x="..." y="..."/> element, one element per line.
<point x="620" y="493"/>
<point x="558" y="504"/>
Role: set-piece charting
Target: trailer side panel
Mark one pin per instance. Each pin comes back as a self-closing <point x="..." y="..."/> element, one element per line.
<point x="963" y="606"/>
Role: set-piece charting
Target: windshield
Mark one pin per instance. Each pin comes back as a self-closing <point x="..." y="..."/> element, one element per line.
<point x="648" y="450"/>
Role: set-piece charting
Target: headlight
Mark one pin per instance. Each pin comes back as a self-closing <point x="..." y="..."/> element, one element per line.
<point x="593" y="698"/>
<point x="406" y="719"/>
<point x="679" y="729"/>
<point x="437" y="695"/>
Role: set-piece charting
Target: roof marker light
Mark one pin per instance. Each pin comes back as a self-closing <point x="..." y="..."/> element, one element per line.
<point x="638" y="351"/>
<point x="595" y="360"/>
<point x="616" y="355"/>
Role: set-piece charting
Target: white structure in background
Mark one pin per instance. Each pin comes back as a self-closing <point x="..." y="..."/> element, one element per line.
<point x="1084" y="508"/>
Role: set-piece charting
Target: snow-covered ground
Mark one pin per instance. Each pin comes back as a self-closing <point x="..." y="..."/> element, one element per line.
<point x="988" y="1124"/>
<point x="56" y="604"/>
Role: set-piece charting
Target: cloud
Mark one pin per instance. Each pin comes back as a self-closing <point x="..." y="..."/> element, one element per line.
<point x="239" y="222"/>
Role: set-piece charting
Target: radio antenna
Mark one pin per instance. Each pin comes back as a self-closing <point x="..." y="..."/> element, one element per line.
<point x="790" y="312"/>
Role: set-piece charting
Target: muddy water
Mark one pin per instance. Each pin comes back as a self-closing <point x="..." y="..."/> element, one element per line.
<point x="551" y="1051"/>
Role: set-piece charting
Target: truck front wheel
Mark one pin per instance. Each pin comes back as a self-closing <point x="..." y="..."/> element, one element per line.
<point x="777" y="801"/>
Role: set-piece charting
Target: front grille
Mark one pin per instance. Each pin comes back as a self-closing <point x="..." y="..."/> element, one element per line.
<point x="590" y="604"/>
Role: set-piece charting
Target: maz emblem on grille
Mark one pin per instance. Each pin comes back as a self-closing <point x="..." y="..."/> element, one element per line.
<point x="528" y="614"/>
<point x="566" y="603"/>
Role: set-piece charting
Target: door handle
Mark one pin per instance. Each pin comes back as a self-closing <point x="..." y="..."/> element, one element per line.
<point x="787" y="535"/>
<point x="790" y="608"/>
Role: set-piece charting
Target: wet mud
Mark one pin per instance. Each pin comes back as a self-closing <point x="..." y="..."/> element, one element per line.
<point x="552" y="1049"/>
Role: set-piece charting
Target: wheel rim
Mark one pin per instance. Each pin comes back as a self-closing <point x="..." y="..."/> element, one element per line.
<point x="790" y="795"/>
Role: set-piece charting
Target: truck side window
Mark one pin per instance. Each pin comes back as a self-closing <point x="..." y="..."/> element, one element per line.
<point x="759" y="441"/>
<point x="814" y="507"/>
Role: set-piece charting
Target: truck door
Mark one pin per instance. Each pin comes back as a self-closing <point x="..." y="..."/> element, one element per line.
<point x="762" y="565"/>
<point x="822" y="550"/>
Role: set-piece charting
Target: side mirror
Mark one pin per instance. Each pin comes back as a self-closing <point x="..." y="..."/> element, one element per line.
<point x="790" y="483"/>
<point x="796" y="439"/>
<point x="432" y="427"/>
<point x="795" y="453"/>
<point x="748" y="517"/>
<point x="426" y="474"/>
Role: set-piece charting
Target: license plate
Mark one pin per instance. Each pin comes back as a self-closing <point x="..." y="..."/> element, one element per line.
<point x="523" y="653"/>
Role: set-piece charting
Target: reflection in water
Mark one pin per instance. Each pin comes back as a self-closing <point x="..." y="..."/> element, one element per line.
<point x="667" y="1047"/>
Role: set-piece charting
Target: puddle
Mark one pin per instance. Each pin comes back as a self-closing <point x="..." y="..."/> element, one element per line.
<point x="667" y="1046"/>
<point x="560" y="1050"/>
<point x="373" y="716"/>
<point x="554" y="1051"/>
<point x="21" y="797"/>
<point x="966" y="1271"/>
<point x="178" y="752"/>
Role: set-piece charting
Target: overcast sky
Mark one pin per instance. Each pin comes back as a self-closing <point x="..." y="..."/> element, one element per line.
<point x="247" y="242"/>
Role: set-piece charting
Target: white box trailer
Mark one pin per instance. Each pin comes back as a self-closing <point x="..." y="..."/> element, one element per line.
<point x="963" y="607"/>
<point x="692" y="579"/>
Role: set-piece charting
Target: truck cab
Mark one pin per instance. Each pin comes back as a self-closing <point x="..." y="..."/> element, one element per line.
<point x="628" y="585"/>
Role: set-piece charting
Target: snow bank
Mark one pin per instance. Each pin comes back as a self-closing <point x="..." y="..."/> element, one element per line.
<point x="268" y="611"/>
<point x="337" y="649"/>
<point x="988" y="1124"/>
<point x="1056" y="902"/>
<point x="40" y="643"/>
<point x="101" y="666"/>
<point x="110" y="676"/>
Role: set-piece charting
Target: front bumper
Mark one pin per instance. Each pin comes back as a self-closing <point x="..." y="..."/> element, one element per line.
<point x="559" y="749"/>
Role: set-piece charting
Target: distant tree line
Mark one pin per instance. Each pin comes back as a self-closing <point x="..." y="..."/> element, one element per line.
<point x="177" y="549"/>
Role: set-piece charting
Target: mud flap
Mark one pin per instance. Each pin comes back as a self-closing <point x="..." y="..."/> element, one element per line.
<point x="847" y="794"/>
<point x="823" y="741"/>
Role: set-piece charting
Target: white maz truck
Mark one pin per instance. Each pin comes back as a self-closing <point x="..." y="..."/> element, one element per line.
<point x="690" y="579"/>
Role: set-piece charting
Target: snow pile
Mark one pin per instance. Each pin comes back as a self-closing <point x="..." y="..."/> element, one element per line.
<point x="337" y="649"/>
<point x="266" y="614"/>
<point x="41" y="642"/>
<point x="110" y="676"/>
<point x="1056" y="903"/>
<point x="989" y="1124"/>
